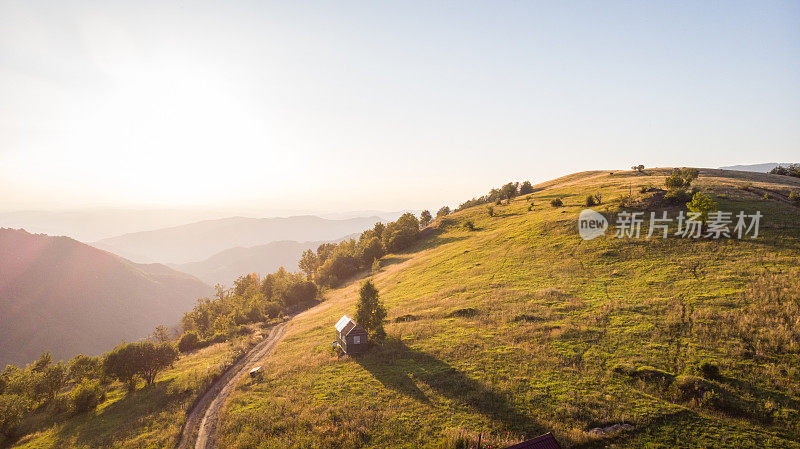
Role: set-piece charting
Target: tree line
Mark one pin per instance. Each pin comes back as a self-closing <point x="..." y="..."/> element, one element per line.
<point x="497" y="195"/>
<point x="36" y="387"/>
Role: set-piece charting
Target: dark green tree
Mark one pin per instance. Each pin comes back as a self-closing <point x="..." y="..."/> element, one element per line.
<point x="370" y="312"/>
<point x="510" y="190"/>
<point x="525" y="188"/>
<point x="425" y="218"/>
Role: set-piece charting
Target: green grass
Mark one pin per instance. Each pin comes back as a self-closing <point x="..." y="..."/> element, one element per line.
<point x="151" y="417"/>
<point x="553" y="314"/>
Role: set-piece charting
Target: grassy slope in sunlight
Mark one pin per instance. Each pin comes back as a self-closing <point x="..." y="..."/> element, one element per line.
<point x="151" y="417"/>
<point x="513" y="329"/>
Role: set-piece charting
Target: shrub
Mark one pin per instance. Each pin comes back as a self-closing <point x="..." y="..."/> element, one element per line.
<point x="767" y="196"/>
<point x="490" y="209"/>
<point x="469" y="225"/>
<point x="189" y="341"/>
<point x="709" y="370"/>
<point x="590" y="201"/>
<point x="87" y="397"/>
<point x="677" y="197"/>
<point x="467" y="312"/>
<point x="702" y="204"/>
<point x="530" y="207"/>
<point x="794" y="197"/>
<point x="625" y="201"/>
<point x="674" y="182"/>
<point x="556" y="202"/>
<point x="598" y="198"/>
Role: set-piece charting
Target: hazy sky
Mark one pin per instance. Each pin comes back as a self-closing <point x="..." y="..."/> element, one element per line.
<point x="388" y="105"/>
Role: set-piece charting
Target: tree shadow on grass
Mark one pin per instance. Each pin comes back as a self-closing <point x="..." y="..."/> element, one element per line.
<point x="399" y="367"/>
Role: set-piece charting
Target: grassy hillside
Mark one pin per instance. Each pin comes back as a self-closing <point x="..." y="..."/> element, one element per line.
<point x="519" y="327"/>
<point x="151" y="417"/>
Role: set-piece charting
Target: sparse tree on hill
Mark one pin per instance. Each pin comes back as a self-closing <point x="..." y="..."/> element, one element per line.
<point x="83" y="367"/>
<point x="309" y="263"/>
<point x="155" y="358"/>
<point x="53" y="379"/>
<point x="509" y="190"/>
<point x="425" y="218"/>
<point x="702" y="204"/>
<point x="44" y="361"/>
<point x="188" y="342"/>
<point x="674" y="181"/>
<point x="443" y="212"/>
<point x="161" y="334"/>
<point x="689" y="175"/>
<point x="122" y="364"/>
<point x="525" y="188"/>
<point x="370" y="312"/>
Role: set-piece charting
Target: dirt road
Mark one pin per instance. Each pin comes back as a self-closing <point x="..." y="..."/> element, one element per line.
<point x="200" y="430"/>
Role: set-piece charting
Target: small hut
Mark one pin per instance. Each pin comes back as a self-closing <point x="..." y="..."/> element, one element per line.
<point x="351" y="337"/>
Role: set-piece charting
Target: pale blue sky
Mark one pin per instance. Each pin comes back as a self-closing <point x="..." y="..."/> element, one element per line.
<point x="379" y="105"/>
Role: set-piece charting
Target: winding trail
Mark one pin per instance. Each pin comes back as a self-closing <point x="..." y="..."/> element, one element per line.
<point x="200" y="429"/>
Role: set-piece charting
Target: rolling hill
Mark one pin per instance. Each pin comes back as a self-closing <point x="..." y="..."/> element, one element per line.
<point x="198" y="241"/>
<point x="515" y="326"/>
<point x="63" y="296"/>
<point x="758" y="168"/>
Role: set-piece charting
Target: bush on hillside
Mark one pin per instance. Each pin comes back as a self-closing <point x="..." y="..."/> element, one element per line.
<point x="490" y="210"/>
<point x="789" y="170"/>
<point x="87" y="396"/>
<point x="702" y="204"/>
<point x="556" y="202"/>
<point x="709" y="370"/>
<point x="590" y="201"/>
<point x="189" y="342"/>
<point x="794" y="197"/>
<point x="469" y="225"/>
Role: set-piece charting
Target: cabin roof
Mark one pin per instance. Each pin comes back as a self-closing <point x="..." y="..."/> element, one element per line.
<point x="546" y="441"/>
<point x="346" y="325"/>
<point x="343" y="322"/>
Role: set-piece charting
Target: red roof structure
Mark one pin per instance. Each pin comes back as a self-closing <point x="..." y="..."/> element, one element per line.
<point x="546" y="441"/>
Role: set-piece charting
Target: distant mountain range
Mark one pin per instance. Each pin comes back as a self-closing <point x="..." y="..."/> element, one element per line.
<point x="198" y="241"/>
<point x="224" y="267"/>
<point x="760" y="168"/>
<point x="63" y="296"/>
<point x="89" y="225"/>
